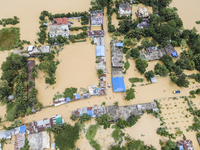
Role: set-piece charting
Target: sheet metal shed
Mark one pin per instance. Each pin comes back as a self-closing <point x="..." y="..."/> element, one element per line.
<point x="119" y="44"/>
<point x="100" y="51"/>
<point x="22" y="129"/>
<point x="118" y="84"/>
<point x="153" y="80"/>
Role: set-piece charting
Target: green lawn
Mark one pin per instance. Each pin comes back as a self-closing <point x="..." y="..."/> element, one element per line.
<point x="9" y="38"/>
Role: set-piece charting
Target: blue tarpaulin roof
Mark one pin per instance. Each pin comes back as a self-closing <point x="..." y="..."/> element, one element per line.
<point x="22" y="129"/>
<point x="68" y="99"/>
<point x="119" y="44"/>
<point x="78" y="96"/>
<point x="100" y="51"/>
<point x="174" y="54"/>
<point x="118" y="84"/>
<point x="90" y="113"/>
<point x="181" y="147"/>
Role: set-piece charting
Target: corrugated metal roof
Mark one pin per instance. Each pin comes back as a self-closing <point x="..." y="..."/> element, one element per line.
<point x="100" y="51"/>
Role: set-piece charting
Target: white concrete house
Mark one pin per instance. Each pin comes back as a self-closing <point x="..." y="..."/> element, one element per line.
<point x="124" y="9"/>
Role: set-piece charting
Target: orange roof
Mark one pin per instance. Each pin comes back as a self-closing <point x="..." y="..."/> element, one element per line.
<point x="61" y="20"/>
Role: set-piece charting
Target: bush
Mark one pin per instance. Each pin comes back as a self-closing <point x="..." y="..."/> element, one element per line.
<point x="100" y="73"/>
<point x="132" y="120"/>
<point x="134" y="80"/>
<point x="84" y="118"/>
<point x="130" y="94"/>
<point x="73" y="117"/>
<point x="162" y="131"/>
<point x="122" y="124"/>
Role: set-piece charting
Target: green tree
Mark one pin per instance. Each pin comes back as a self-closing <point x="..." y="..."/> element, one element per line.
<point x="66" y="140"/>
<point x="122" y="123"/>
<point x="149" y="75"/>
<point x="141" y="65"/>
<point x="161" y="70"/>
<point x="132" y="120"/>
<point x="69" y="92"/>
<point x="84" y="118"/>
<point x="99" y="72"/>
<point x="130" y="94"/>
<point x="116" y="103"/>
<point x="73" y="117"/>
<point x="182" y="81"/>
<point x="135" y="53"/>
<point x="103" y="120"/>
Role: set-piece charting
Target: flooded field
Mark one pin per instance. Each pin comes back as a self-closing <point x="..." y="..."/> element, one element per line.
<point x="176" y="116"/>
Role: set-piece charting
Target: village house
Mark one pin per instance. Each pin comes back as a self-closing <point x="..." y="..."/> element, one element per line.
<point x="117" y="66"/>
<point x="55" y="30"/>
<point x="185" y="145"/>
<point x="96" y="33"/>
<point x="153" y="53"/>
<point x="144" y="23"/>
<point x="33" y="51"/>
<point x="124" y="112"/>
<point x="124" y="9"/>
<point x="96" y="18"/>
<point x="142" y="12"/>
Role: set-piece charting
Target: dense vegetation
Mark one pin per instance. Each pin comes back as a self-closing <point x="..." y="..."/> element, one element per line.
<point x="13" y="81"/>
<point x="67" y="136"/>
<point x="130" y="94"/>
<point x="7" y="21"/>
<point x="48" y="66"/>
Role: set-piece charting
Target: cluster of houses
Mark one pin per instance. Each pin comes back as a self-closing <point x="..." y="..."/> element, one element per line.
<point x="38" y="139"/>
<point x="93" y="90"/>
<point x="33" y="51"/>
<point x="153" y="53"/>
<point x="117" y="66"/>
<point x="91" y="111"/>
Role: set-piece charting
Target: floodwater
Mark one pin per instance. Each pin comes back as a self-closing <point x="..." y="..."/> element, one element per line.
<point x="188" y="10"/>
<point x="28" y="13"/>
<point x="77" y="69"/>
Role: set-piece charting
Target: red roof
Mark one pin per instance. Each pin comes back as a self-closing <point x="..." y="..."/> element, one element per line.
<point x="187" y="144"/>
<point x="61" y="21"/>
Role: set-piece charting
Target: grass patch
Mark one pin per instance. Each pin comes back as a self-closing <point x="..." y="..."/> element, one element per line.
<point x="9" y="38"/>
<point x="11" y="111"/>
<point x="197" y="22"/>
<point x="134" y="80"/>
<point x="90" y="136"/>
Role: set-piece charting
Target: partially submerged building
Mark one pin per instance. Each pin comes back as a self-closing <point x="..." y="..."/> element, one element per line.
<point x="185" y="145"/>
<point x="117" y="66"/>
<point x="142" y="12"/>
<point x="124" y="112"/>
<point x="153" y="53"/>
<point x="33" y="51"/>
<point x="124" y="9"/>
<point x="96" y="18"/>
<point x="55" y="30"/>
<point x="96" y="33"/>
<point x="91" y="111"/>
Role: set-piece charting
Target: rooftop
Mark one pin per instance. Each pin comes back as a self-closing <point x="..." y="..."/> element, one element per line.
<point x="96" y="18"/>
<point x="55" y="30"/>
<point x="116" y="54"/>
<point x="58" y="21"/>
<point x="125" y="6"/>
<point x="186" y="144"/>
<point x="124" y="112"/>
<point x="142" y="12"/>
<point x="96" y="33"/>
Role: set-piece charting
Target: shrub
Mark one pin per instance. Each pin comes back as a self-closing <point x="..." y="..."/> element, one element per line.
<point x="132" y="120"/>
<point x="103" y="120"/>
<point x="84" y="118"/>
<point x="73" y="117"/>
<point x="130" y="94"/>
